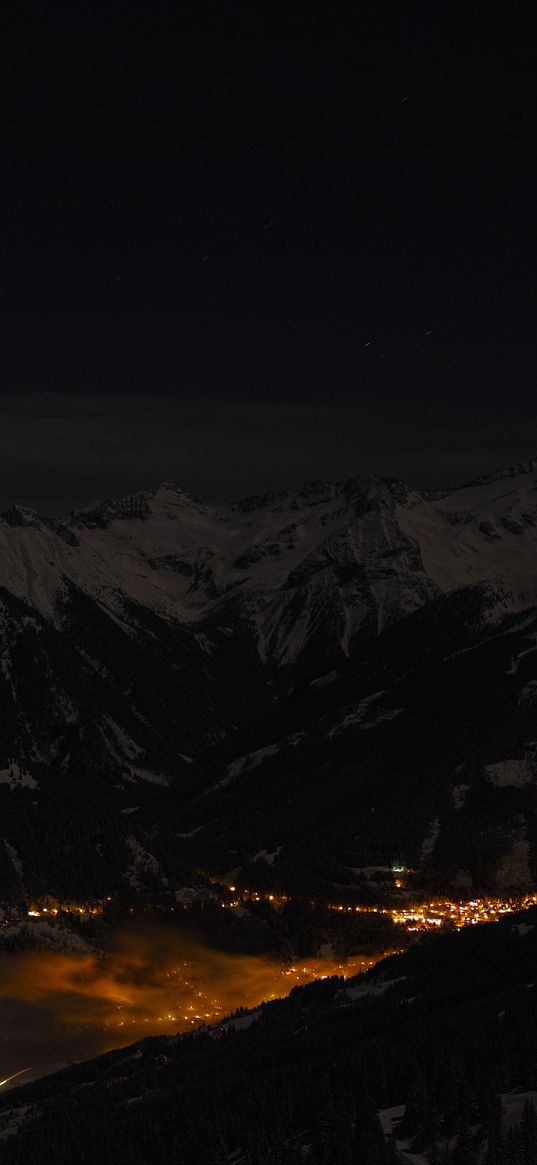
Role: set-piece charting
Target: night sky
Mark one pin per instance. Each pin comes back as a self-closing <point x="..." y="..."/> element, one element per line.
<point x="244" y="247"/>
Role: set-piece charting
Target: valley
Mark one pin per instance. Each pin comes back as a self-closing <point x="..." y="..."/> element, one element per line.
<point x="66" y="995"/>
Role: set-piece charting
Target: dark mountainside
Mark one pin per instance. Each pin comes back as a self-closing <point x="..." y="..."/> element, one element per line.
<point x="294" y="686"/>
<point x="447" y="1029"/>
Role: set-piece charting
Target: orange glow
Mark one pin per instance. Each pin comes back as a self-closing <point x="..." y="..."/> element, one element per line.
<point x="156" y="980"/>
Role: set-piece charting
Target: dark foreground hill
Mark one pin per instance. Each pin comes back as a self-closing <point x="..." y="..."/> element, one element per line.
<point x="445" y="1035"/>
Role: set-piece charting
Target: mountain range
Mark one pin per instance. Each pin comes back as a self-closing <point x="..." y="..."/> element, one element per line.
<point x="299" y="685"/>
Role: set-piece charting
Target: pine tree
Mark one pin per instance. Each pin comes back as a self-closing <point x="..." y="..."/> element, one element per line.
<point x="513" y="1152"/>
<point x="464" y="1151"/>
<point x="529" y="1133"/>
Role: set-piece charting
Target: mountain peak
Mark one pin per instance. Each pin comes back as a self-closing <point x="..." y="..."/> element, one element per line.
<point x="20" y="516"/>
<point x="173" y="487"/>
<point x="103" y="513"/>
<point x="131" y="506"/>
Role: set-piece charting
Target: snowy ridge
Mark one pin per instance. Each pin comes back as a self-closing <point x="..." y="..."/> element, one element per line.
<point x="516" y="470"/>
<point x="320" y="565"/>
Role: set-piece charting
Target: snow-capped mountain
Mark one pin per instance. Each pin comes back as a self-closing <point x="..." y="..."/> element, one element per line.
<point x="141" y="634"/>
<point x="359" y="553"/>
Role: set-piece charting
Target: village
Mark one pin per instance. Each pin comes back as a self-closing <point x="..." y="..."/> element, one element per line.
<point x="410" y="915"/>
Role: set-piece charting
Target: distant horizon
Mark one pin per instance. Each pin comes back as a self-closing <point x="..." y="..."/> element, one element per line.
<point x="505" y="469"/>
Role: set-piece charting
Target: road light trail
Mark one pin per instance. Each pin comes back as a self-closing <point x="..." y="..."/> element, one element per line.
<point x="14" y="1076"/>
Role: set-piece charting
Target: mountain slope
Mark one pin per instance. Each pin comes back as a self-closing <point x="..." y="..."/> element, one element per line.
<point x="422" y="749"/>
<point x="300" y="648"/>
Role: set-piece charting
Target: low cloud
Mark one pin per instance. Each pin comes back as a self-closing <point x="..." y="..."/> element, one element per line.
<point x="157" y="979"/>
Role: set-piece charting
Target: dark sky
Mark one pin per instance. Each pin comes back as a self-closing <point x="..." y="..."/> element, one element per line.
<point x="245" y="247"/>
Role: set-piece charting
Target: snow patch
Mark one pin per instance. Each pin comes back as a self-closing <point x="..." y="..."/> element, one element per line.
<point x="265" y="856"/>
<point x="429" y="842"/>
<point x="362" y="715"/>
<point x="241" y="1022"/>
<point x="513" y="1105"/>
<point x="16" y="777"/>
<point x="513" y="667"/>
<point x="15" y="858"/>
<point x="323" y="681"/>
<point x="514" y="869"/>
<point x="372" y="987"/>
<point x="143" y="863"/>
<point x="509" y="772"/>
<point x="459" y="796"/>
<point x="149" y="775"/>
<point x="123" y="744"/>
<point x="247" y="764"/>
